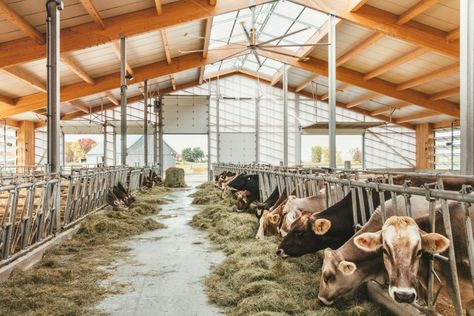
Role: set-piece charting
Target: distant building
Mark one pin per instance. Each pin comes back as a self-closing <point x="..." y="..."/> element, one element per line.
<point x="135" y="153"/>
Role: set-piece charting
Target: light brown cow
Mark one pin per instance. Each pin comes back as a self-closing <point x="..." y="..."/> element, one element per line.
<point x="402" y="243"/>
<point x="269" y="222"/>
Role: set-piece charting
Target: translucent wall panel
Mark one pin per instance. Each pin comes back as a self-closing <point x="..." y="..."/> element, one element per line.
<point x="448" y="148"/>
<point x="7" y="145"/>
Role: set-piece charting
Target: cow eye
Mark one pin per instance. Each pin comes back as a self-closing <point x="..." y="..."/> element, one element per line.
<point x="418" y="253"/>
<point x="299" y="233"/>
<point x="385" y="252"/>
<point x="328" y="278"/>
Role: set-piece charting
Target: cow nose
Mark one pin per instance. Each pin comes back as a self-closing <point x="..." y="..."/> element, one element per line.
<point x="404" y="297"/>
<point x="281" y="253"/>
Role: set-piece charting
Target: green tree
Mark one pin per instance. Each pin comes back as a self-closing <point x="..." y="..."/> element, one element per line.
<point x="198" y="154"/>
<point x="187" y="154"/>
<point x="356" y="155"/>
<point x="316" y="154"/>
<point x="325" y="154"/>
<point x="87" y="144"/>
<point x="338" y="157"/>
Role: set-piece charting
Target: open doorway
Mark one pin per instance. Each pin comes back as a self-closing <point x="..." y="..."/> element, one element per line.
<point x="191" y="154"/>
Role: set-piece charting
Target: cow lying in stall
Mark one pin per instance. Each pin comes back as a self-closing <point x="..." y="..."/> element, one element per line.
<point x="394" y="250"/>
<point x="119" y="198"/>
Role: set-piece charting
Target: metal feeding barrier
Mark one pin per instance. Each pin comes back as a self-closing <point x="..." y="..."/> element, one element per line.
<point x="35" y="208"/>
<point x="309" y="181"/>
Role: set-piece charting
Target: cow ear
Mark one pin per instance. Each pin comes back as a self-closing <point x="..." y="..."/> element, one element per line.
<point x="434" y="243"/>
<point x="369" y="241"/>
<point x="347" y="267"/>
<point x="274" y="218"/>
<point x="321" y="226"/>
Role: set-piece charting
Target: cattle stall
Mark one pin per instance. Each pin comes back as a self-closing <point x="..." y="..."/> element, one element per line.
<point x="306" y="182"/>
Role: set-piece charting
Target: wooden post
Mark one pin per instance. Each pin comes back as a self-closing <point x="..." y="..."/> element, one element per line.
<point x="424" y="148"/>
<point x="25" y="144"/>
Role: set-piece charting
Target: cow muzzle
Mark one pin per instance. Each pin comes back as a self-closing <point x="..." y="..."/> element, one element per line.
<point x="403" y="295"/>
<point x="281" y="253"/>
<point x="325" y="301"/>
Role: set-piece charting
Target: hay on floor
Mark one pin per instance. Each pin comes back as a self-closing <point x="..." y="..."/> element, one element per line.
<point x="70" y="278"/>
<point x="252" y="280"/>
<point x="174" y="178"/>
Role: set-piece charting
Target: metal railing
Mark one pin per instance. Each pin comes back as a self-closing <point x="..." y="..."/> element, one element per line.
<point x="307" y="182"/>
<point x="34" y="209"/>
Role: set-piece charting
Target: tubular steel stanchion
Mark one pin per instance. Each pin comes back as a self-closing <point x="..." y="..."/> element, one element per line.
<point x="123" y="101"/>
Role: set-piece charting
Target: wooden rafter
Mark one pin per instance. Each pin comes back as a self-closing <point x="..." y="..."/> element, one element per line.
<point x="386" y="22"/>
<point x="362" y="100"/>
<point x="358" y="4"/>
<point x="377" y="85"/>
<point x="446" y="124"/>
<point x="80" y="106"/>
<point x="27" y="78"/>
<point x="445" y="94"/>
<point x="111" y="97"/>
<point x="116" y="49"/>
<point x="390" y="108"/>
<point x="201" y="74"/>
<point x="453" y="35"/>
<point x="341" y="88"/>
<point x="173" y="82"/>
<point x="212" y="3"/>
<point x="205" y="46"/>
<point x="439" y="73"/>
<point x="94" y="14"/>
<point x="108" y="82"/>
<point x="306" y="83"/>
<point x="75" y="68"/>
<point x="403" y="59"/>
<point x="21" y="23"/>
<point x="88" y="35"/>
<point x="277" y="76"/>
<point x="360" y="47"/>
<point x="415" y="117"/>
<point x="414" y="11"/>
<point x="6" y="101"/>
<point x="164" y="39"/>
<point x="158" y="7"/>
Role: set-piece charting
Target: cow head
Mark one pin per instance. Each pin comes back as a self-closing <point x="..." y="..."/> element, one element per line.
<point x="402" y="243"/>
<point x="290" y="205"/>
<point x="243" y="181"/>
<point x="268" y="224"/>
<point x="306" y="235"/>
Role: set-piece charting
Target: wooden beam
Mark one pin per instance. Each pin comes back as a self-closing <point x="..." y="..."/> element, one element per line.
<point x="6" y="101"/>
<point x="277" y="76"/>
<point x="207" y="36"/>
<point x="201" y="74"/>
<point x="445" y="94"/>
<point x="360" y="47"/>
<point x="415" y="117"/>
<point x="358" y="4"/>
<point x="164" y="38"/>
<point x="158" y="6"/>
<point x="390" y="108"/>
<point x="25" y="144"/>
<point x="403" y="59"/>
<point x="116" y="48"/>
<point x="376" y="85"/>
<point x="27" y="78"/>
<point x="75" y="68"/>
<point x="414" y="11"/>
<point x="362" y="100"/>
<point x="21" y="23"/>
<point x="424" y="150"/>
<point x="386" y="22"/>
<point x="306" y="83"/>
<point x="129" y="24"/>
<point x="446" y="124"/>
<point x="111" y="97"/>
<point x="94" y="14"/>
<point x="80" y="106"/>
<point x="453" y="35"/>
<point x="108" y="82"/>
<point x="212" y="3"/>
<point x="439" y="73"/>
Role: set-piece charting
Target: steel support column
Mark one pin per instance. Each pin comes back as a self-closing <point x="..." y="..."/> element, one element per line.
<point x="297" y="131"/>
<point x="467" y="88"/>
<point x="145" y="122"/>
<point x="218" y="135"/>
<point x="285" y="115"/>
<point x="363" y="152"/>
<point x="257" y="129"/>
<point x="209" y="162"/>
<point x="155" y="138"/>
<point x="160" y="136"/>
<point x="332" y="90"/>
<point x="53" y="8"/>
<point x="123" y="101"/>
<point x="105" y="143"/>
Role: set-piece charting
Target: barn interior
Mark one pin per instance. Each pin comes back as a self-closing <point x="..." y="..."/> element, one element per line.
<point x="94" y="93"/>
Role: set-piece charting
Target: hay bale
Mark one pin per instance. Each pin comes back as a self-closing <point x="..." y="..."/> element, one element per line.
<point x="174" y="178"/>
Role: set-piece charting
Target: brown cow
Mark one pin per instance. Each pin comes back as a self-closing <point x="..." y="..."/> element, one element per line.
<point x="402" y="243"/>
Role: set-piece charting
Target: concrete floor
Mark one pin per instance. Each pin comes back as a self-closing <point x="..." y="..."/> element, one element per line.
<point x="166" y="267"/>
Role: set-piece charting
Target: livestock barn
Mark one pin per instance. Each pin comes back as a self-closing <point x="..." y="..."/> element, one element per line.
<point x="241" y="157"/>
